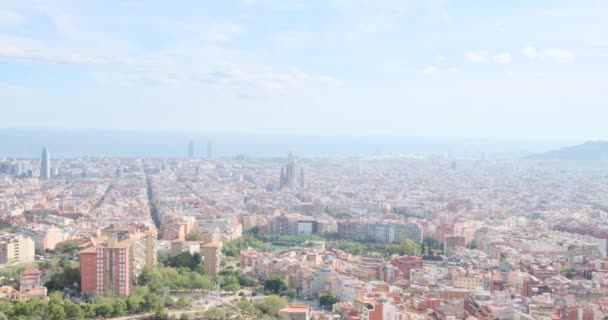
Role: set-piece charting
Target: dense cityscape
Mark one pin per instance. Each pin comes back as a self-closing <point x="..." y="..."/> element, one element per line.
<point x="373" y="237"/>
<point x="303" y="160"/>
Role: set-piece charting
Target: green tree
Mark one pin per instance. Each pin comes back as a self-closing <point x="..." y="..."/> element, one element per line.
<point x="248" y="308"/>
<point x="290" y="293"/>
<point x="195" y="236"/>
<point x="134" y="302"/>
<point x="409" y="247"/>
<point x="90" y="310"/>
<point x="275" y="284"/>
<point x="65" y="278"/>
<point x="233" y="248"/>
<point x="56" y="312"/>
<point x="327" y="301"/>
<point x="230" y="283"/>
<point x="199" y="281"/>
<point x="119" y="307"/>
<point x="31" y="308"/>
<point x="185" y="260"/>
<point x="183" y="303"/>
<point x="271" y="305"/>
<point x="72" y="310"/>
<point x="568" y="272"/>
<point x="159" y="312"/>
<point x="151" y="300"/>
<point x="104" y="310"/>
<point x="7" y="308"/>
<point x="215" y="314"/>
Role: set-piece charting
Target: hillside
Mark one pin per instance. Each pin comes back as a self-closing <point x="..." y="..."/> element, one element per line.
<point x="588" y="151"/>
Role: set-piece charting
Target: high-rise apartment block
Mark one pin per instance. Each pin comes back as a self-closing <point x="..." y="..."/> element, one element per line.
<point x="212" y="255"/>
<point x="291" y="224"/>
<point x="16" y="249"/>
<point x="112" y="262"/>
<point x="380" y="231"/>
<point x="452" y="241"/>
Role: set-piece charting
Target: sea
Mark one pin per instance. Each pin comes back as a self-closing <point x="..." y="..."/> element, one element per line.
<point x="76" y="143"/>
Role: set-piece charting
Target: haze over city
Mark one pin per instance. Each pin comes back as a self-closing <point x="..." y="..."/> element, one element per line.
<point x="304" y="160"/>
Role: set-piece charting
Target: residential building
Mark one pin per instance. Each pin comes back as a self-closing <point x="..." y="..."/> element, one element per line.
<point x="16" y="249"/>
<point x="112" y="262"/>
<point x="212" y="255"/>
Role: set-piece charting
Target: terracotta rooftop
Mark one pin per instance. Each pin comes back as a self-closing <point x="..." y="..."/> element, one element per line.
<point x="31" y="271"/>
<point x="296" y="308"/>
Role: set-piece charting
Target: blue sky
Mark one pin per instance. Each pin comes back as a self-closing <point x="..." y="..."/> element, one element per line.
<point x="492" y="69"/>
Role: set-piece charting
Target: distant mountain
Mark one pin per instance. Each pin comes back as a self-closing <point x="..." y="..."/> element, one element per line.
<point x="588" y="151"/>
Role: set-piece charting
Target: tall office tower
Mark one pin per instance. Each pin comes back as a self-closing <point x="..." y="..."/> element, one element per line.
<point x="302" y="180"/>
<point x="283" y="178"/>
<point x="45" y="164"/>
<point x="209" y="149"/>
<point x="191" y="149"/>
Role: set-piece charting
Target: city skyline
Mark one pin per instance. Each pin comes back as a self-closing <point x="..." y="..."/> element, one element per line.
<point x="22" y="143"/>
<point x="516" y="70"/>
<point x="304" y="159"/>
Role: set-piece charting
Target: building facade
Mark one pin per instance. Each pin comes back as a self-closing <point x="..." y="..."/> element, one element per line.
<point x="16" y="249"/>
<point x="45" y="164"/>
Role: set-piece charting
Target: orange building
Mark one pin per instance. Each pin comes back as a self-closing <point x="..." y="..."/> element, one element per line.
<point x="105" y="268"/>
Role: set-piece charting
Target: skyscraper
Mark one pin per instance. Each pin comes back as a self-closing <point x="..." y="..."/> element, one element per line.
<point x="191" y="149"/>
<point x="209" y="149"/>
<point x="45" y="164"/>
<point x="302" y="180"/>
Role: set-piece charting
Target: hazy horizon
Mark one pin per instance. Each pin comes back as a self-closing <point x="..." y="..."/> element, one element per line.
<point x="66" y="143"/>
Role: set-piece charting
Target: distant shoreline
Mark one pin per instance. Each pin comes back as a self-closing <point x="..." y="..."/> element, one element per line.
<point x="75" y="143"/>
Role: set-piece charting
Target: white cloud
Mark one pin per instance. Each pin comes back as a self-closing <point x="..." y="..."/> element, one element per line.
<point x="560" y="55"/>
<point x="531" y="53"/>
<point x="431" y="70"/>
<point x="554" y="54"/>
<point x="503" y="58"/>
<point x="476" y="57"/>
<point x="49" y="55"/>
<point x="187" y="64"/>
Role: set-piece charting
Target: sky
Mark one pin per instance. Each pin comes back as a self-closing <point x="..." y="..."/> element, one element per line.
<point x="417" y="68"/>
